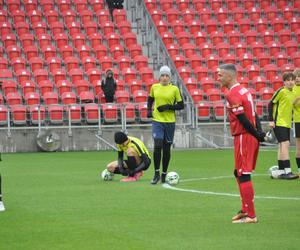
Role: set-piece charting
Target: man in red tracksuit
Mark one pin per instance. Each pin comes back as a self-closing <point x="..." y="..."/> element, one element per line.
<point x="246" y="130"/>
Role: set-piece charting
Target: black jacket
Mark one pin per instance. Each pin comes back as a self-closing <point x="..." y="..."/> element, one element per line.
<point x="109" y="86"/>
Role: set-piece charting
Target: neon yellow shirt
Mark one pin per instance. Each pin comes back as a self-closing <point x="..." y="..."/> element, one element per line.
<point x="296" y="110"/>
<point x="131" y="144"/>
<point x="162" y="95"/>
<point x="283" y="107"/>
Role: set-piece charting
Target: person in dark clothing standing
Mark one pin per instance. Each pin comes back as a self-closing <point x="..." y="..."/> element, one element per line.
<point x="109" y="86"/>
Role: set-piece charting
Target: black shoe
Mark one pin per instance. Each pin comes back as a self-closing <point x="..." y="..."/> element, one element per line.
<point x="163" y="178"/>
<point x="289" y="176"/>
<point x="155" y="179"/>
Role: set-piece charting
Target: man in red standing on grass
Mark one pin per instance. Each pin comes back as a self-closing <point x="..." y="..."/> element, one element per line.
<point x="246" y="130"/>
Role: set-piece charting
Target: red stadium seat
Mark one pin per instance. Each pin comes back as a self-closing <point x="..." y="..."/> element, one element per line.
<point x="207" y="83"/>
<point x="102" y="15"/>
<point x="56" y="114"/>
<point x="287" y="68"/>
<point x="194" y="26"/>
<point x="89" y="62"/>
<point x="156" y="15"/>
<point x="129" y="109"/>
<point x="219" y="110"/>
<point x="206" y="49"/>
<point x="217" y="37"/>
<point x="6" y="73"/>
<point x="117" y="51"/>
<point x="244" y="24"/>
<point x="106" y="62"/>
<point x="238" y="13"/>
<point x="188" y="14"/>
<point x="3" y="63"/>
<point x="185" y="71"/>
<point x="18" y="114"/>
<point x="281" y="58"/>
<point x="84" y="51"/>
<point x="9" y="40"/>
<point x="39" y="28"/>
<point x="229" y="58"/>
<point x="50" y="98"/>
<point x="179" y="60"/>
<point x="257" y="48"/>
<point x="76" y="74"/>
<point x="142" y="110"/>
<point x="95" y="39"/>
<point x="48" y="51"/>
<point x="113" y="39"/>
<point x="3" y="16"/>
<point x="278" y="24"/>
<point x="120" y="84"/>
<point x="274" y="47"/>
<point x="129" y="74"/>
<point x="240" y="48"/>
<point x="9" y="86"/>
<point x="41" y="75"/>
<point x="172" y="14"/>
<point x="125" y="62"/>
<point x="87" y="97"/>
<point x="268" y="36"/>
<point x="13" y="51"/>
<point x="37" y="114"/>
<point x="203" y="111"/>
<point x="212" y="60"/>
<point x="183" y="37"/>
<point x="110" y="112"/>
<point x="288" y="11"/>
<point x="200" y="37"/>
<point x="125" y="27"/>
<point x="52" y="16"/>
<point x="284" y="35"/>
<point x="63" y="86"/>
<point x="90" y="27"/>
<point x="291" y="47"/>
<point x="32" y="98"/>
<point x="18" y="63"/>
<point x="213" y="94"/>
<point x="27" y="87"/>
<point x="81" y="86"/>
<point x="146" y="74"/>
<point x="189" y="49"/>
<point x="266" y="93"/>
<point x="72" y="62"/>
<point x="228" y="26"/>
<point x="43" y="40"/>
<point x="246" y="59"/>
<point x="27" y="40"/>
<point x="94" y="75"/>
<point x="68" y="98"/>
<point x="119" y="15"/>
<point x="259" y="82"/>
<point x="195" y="61"/>
<point x="150" y="4"/>
<point x="244" y="81"/>
<point x="54" y="63"/>
<point x="13" y="98"/>
<point x="134" y="85"/>
<point x="134" y="50"/>
<point x="270" y="71"/>
<point x="5" y="28"/>
<point x="205" y="14"/>
<point x="22" y="28"/>
<point x="234" y="37"/>
<point x="97" y="5"/>
<point x="122" y="96"/>
<point x="74" y="113"/>
<point x="45" y="86"/>
<point x="201" y="72"/>
<point x="271" y="12"/>
<point x="140" y="96"/>
<point x="197" y="95"/>
<point x="100" y="51"/>
<point x="23" y="75"/>
<point x="296" y="59"/>
<point x="252" y="71"/>
<point x="190" y="83"/>
<point x="264" y="59"/>
<point x="276" y="82"/>
<point x="251" y="36"/>
<point x="59" y="75"/>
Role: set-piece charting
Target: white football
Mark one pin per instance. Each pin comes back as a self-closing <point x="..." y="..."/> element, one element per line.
<point x="273" y="171"/>
<point x="106" y="175"/>
<point x="172" y="178"/>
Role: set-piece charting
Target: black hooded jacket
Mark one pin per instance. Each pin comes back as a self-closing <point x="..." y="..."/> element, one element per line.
<point x="109" y="86"/>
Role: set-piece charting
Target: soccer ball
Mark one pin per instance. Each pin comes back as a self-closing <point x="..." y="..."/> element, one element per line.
<point x="106" y="175"/>
<point x="273" y="171"/>
<point x="172" y="178"/>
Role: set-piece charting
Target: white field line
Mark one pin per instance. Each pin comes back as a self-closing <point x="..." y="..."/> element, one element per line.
<point x="167" y="186"/>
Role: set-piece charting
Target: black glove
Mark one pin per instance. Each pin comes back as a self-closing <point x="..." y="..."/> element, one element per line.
<point x="149" y="113"/>
<point x="261" y="136"/>
<point x="165" y="107"/>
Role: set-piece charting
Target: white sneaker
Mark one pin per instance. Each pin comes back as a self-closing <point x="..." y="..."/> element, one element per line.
<point x="2" y="208"/>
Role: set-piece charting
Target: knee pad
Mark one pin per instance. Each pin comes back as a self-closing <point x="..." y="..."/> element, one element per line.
<point x="244" y="178"/>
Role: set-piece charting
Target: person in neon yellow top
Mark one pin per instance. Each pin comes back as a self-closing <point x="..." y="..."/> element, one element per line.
<point x="296" y="115"/>
<point x="138" y="157"/>
<point x="280" y="120"/>
<point x="163" y="100"/>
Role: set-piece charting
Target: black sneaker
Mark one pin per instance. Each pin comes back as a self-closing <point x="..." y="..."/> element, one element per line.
<point x="163" y="178"/>
<point x="155" y="179"/>
<point x="289" y="176"/>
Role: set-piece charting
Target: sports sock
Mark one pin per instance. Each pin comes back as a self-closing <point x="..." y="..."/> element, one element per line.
<point x="157" y="158"/>
<point x="243" y="203"/>
<point x="166" y="157"/>
<point x="247" y="193"/>
<point x="163" y="177"/>
<point x="287" y="166"/>
<point x="281" y="166"/>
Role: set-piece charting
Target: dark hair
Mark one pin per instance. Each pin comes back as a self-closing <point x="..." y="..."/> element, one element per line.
<point x="120" y="137"/>
<point x="288" y="76"/>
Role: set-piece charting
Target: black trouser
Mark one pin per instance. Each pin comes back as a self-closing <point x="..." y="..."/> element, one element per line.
<point x="109" y="98"/>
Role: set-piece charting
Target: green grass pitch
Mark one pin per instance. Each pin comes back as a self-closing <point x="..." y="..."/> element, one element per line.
<point x="58" y="201"/>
